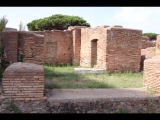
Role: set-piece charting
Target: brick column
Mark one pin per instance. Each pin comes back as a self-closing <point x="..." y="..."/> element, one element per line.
<point x="76" y="46"/>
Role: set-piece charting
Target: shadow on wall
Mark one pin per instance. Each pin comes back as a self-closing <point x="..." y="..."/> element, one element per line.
<point x="142" y="62"/>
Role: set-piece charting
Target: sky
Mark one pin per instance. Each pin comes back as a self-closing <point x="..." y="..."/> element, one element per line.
<point x="143" y="18"/>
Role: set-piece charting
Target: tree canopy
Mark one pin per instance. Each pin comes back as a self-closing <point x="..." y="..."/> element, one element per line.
<point x="57" y="21"/>
<point x="152" y="36"/>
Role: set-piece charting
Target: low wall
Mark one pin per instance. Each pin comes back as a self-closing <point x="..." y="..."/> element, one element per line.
<point x="21" y="106"/>
<point x="23" y="81"/>
<point x="30" y="47"/>
<point x="108" y="106"/>
<point x="145" y="42"/>
<point x="143" y="105"/>
<point x="146" y="54"/>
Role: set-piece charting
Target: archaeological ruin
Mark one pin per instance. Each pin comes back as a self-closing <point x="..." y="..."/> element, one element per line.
<point x="113" y="48"/>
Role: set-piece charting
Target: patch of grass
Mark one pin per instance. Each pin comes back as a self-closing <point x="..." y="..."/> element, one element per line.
<point x="13" y="107"/>
<point x="151" y="91"/>
<point x="64" y="77"/>
<point x="123" y="111"/>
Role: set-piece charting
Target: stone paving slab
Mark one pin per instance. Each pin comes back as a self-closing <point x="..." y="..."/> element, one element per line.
<point x="89" y="70"/>
<point x="97" y="94"/>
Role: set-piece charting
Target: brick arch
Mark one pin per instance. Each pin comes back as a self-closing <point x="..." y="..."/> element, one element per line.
<point x="95" y="36"/>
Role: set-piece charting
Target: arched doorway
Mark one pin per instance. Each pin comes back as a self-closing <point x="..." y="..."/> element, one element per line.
<point x="94" y="52"/>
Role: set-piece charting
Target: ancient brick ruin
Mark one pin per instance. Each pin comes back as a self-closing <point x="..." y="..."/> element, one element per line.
<point x="113" y="48"/>
<point x="151" y="78"/>
<point x="58" y="47"/>
<point x="145" y="43"/>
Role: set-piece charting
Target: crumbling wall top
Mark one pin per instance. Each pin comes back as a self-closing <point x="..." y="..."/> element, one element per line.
<point x="117" y="26"/>
<point x="145" y="38"/>
<point x="9" y="29"/>
<point x="110" y="28"/>
<point x="58" y="31"/>
<point x="20" y="67"/>
<point x="76" y="27"/>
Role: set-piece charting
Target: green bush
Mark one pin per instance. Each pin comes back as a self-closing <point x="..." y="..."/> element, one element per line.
<point x="152" y="36"/>
<point x="58" y="21"/>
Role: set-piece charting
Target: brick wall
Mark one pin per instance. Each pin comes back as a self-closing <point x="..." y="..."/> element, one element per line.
<point x="151" y="77"/>
<point x="76" y="46"/>
<point x="91" y="37"/>
<point x="31" y="46"/>
<point x="146" y="54"/>
<point x="123" y="49"/>
<point x="105" y="47"/>
<point x="10" y="44"/>
<point x="23" y="81"/>
<point x="114" y="51"/>
<point x="38" y="32"/>
<point x="58" y="47"/>
<point x="145" y="38"/>
<point x="157" y="45"/>
<point x="145" y="43"/>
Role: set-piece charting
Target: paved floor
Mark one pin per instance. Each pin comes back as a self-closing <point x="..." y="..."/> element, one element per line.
<point x="91" y="94"/>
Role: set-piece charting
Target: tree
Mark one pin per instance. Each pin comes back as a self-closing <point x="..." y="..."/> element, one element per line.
<point x="152" y="36"/>
<point x="57" y="21"/>
<point x="3" y="23"/>
<point x="22" y="27"/>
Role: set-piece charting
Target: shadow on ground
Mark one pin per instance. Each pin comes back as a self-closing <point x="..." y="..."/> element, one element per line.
<point x="71" y="80"/>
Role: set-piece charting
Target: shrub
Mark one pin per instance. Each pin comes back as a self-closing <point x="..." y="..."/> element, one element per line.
<point x="3" y="22"/>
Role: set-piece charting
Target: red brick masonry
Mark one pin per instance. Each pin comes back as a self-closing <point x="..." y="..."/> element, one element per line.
<point x="151" y="78"/>
<point x="23" y="81"/>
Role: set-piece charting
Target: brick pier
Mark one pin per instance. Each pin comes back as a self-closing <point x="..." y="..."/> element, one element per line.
<point x="23" y="81"/>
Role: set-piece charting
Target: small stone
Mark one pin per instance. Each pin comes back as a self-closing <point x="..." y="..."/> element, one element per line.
<point x="122" y="103"/>
<point x="129" y="108"/>
<point x="55" y="104"/>
<point x="134" y="111"/>
<point x="140" y="105"/>
<point x="33" y="112"/>
<point x="89" y="111"/>
<point x="76" y="108"/>
<point x="80" y="104"/>
<point x="93" y="111"/>
<point x="144" y="109"/>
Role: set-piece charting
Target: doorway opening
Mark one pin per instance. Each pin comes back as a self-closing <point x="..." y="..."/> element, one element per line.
<point x="94" y="52"/>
